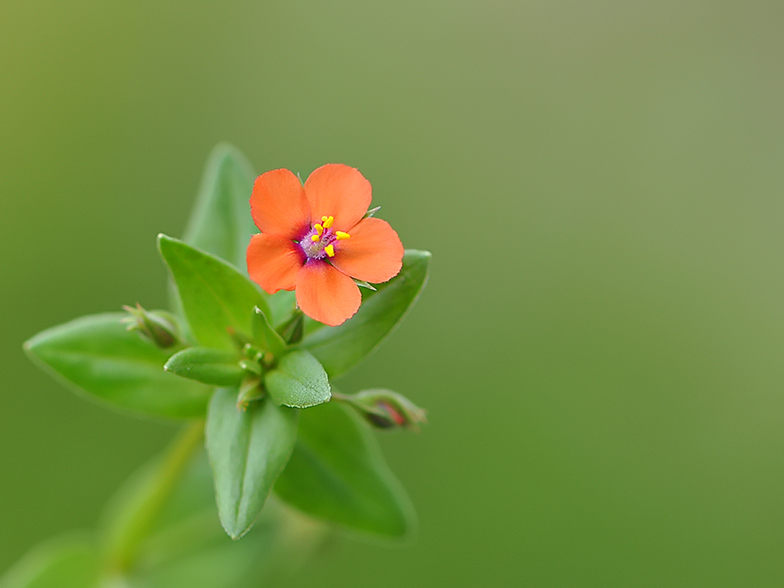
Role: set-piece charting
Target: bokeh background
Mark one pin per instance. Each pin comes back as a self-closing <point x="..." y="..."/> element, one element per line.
<point x="600" y="345"/>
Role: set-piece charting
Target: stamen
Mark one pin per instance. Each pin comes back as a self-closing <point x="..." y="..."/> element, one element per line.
<point x="318" y="243"/>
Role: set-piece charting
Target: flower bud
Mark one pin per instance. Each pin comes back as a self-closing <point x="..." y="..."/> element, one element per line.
<point x="250" y="390"/>
<point x="157" y="326"/>
<point x="385" y="409"/>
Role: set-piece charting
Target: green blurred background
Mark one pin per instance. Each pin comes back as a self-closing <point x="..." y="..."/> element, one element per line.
<point x="600" y="345"/>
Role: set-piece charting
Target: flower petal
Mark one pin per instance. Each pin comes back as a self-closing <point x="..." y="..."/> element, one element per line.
<point x="340" y="191"/>
<point x="279" y="206"/>
<point x="373" y="253"/>
<point x="273" y="262"/>
<point x="325" y="294"/>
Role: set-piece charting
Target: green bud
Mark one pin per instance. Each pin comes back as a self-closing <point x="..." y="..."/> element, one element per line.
<point x="385" y="409"/>
<point x="251" y="366"/>
<point x="158" y="326"/>
<point x="250" y="390"/>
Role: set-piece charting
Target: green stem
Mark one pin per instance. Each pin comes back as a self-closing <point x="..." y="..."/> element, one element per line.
<point x="138" y="520"/>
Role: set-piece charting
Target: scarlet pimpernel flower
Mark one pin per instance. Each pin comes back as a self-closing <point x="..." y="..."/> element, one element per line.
<point x="315" y="238"/>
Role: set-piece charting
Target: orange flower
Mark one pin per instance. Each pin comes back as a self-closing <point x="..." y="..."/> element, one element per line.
<point x="314" y="239"/>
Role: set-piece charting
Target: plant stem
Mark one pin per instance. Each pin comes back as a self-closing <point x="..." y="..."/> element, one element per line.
<point x="139" y="518"/>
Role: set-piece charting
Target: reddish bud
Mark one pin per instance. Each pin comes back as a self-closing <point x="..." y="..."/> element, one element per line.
<point x="385" y="409"/>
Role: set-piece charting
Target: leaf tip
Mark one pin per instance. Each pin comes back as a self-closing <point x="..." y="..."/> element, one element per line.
<point x="233" y="529"/>
<point x="28" y="346"/>
<point x="165" y="240"/>
<point x="420" y="255"/>
<point x="31" y="346"/>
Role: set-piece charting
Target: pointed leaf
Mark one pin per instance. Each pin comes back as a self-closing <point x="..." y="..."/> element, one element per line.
<point x="248" y="450"/>
<point x="209" y="366"/>
<point x="341" y="348"/>
<point x="337" y="473"/>
<point x="221" y="223"/>
<point x="62" y="563"/>
<point x="265" y="336"/>
<point x="298" y="381"/>
<point x="98" y="356"/>
<point x="215" y="296"/>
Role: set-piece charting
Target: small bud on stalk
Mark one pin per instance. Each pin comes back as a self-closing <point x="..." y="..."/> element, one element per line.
<point x="157" y="326"/>
<point x="385" y="409"/>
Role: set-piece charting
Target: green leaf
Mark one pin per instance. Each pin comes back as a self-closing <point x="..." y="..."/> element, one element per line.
<point x="337" y="473"/>
<point x="248" y="450"/>
<point x="341" y="348"/>
<point x="265" y="336"/>
<point x="298" y="381"/>
<point x="215" y="297"/>
<point x="209" y="366"/>
<point x="96" y="355"/>
<point x="68" y="562"/>
<point x="221" y="223"/>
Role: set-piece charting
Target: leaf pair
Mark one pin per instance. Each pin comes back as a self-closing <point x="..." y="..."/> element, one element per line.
<point x="97" y="356"/>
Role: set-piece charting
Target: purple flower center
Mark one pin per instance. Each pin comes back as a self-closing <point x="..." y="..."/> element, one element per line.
<point x="319" y="242"/>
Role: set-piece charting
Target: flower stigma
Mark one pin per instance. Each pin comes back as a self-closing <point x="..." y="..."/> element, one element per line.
<point x="319" y="242"/>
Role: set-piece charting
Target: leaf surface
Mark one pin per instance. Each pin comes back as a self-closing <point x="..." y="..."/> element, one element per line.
<point x="248" y="450"/>
<point x="265" y="336"/>
<point x="298" y="381"/>
<point x="97" y="356"/>
<point x="337" y="473"/>
<point x="209" y="366"/>
<point x="215" y="297"/>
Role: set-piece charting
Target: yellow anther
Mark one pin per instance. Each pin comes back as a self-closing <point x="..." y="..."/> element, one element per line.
<point x="324" y="219"/>
<point x="314" y="238"/>
<point x="328" y="221"/>
<point x="341" y="235"/>
<point x="330" y="250"/>
<point x="319" y="229"/>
